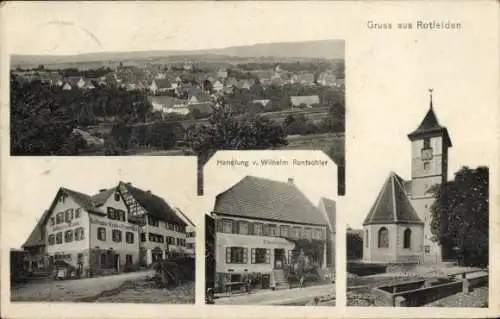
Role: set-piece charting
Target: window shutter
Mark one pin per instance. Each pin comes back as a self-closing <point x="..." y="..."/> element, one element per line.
<point x="268" y="256"/>
<point x="245" y="255"/>
<point x="228" y="255"/>
<point x="253" y="255"/>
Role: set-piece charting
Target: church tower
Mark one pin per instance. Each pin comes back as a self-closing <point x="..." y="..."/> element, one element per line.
<point x="429" y="167"/>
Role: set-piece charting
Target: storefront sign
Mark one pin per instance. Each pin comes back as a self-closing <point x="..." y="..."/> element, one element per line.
<point x="277" y="242"/>
<point x="65" y="226"/>
<point x="113" y="224"/>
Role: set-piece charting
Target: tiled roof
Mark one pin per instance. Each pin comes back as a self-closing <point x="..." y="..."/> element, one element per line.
<point x="261" y="198"/>
<point x="430" y="125"/>
<point x="392" y="205"/>
<point x="163" y="83"/>
<point x="155" y="205"/>
<point x="102" y="197"/>
<point x="35" y="238"/>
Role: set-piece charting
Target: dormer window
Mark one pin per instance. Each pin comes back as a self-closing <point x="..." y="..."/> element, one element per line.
<point x="117" y="197"/>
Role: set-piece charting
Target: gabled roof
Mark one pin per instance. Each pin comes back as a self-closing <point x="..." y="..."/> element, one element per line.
<point x="35" y="238"/>
<point x="100" y="198"/>
<point x="154" y="205"/>
<point x="392" y="205"/>
<point x="430" y="126"/>
<point x="261" y="198"/>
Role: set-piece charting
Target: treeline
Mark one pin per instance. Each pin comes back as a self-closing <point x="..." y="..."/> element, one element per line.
<point x="43" y="116"/>
<point x="70" y="72"/>
<point x="297" y="66"/>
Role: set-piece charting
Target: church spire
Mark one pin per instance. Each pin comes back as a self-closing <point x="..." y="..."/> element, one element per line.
<point x="430" y="97"/>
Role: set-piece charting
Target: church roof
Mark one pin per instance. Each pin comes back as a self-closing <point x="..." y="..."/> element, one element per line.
<point x="429" y="126"/>
<point x="392" y="205"/>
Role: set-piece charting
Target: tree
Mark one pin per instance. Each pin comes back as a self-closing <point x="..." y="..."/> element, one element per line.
<point x="354" y="244"/>
<point x="460" y="216"/>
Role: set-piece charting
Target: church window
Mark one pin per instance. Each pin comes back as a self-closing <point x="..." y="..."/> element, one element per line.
<point x="383" y="238"/>
<point x="427" y="143"/>
<point x="407" y="239"/>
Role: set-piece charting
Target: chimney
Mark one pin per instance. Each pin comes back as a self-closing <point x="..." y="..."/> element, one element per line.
<point x="290" y="180"/>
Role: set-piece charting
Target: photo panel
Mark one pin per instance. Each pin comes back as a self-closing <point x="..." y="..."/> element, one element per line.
<point x="270" y="232"/>
<point x="100" y="230"/>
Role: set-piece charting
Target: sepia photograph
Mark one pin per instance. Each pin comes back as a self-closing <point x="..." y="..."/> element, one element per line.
<point x="125" y="236"/>
<point x="424" y="240"/>
<point x="270" y="240"/>
<point x="173" y="97"/>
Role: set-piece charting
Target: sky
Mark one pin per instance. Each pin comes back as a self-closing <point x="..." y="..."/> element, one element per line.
<point x="388" y="73"/>
<point x="36" y="181"/>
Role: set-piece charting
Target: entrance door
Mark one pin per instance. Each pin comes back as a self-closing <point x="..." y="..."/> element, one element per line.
<point x="279" y="258"/>
<point x="116" y="262"/>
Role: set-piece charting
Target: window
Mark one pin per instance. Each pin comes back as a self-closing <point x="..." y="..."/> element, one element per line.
<point x="257" y="229"/>
<point x="52" y="221"/>
<point x="117" y="235"/>
<point x="272" y="230"/>
<point x="427" y="143"/>
<point x="296" y="232"/>
<point x="317" y="234"/>
<point x="153" y="221"/>
<point x="129" y="237"/>
<point x="79" y="234"/>
<point x="128" y="260"/>
<point x="383" y="238"/>
<point x="407" y="239"/>
<point x="59" y="238"/>
<point x="170" y="240"/>
<point x="68" y="215"/>
<point x="102" y="259"/>
<point x="78" y="212"/>
<point x="60" y="218"/>
<point x="111" y="213"/>
<point x="307" y="233"/>
<point x="427" y="249"/>
<point x="243" y="228"/>
<point x="62" y="198"/>
<point x="143" y="237"/>
<point x="101" y="233"/>
<point x="227" y="226"/>
<point x="284" y="231"/>
<point x="427" y="165"/>
<point x="261" y="256"/>
<point x="366" y="239"/>
<point x="52" y="240"/>
<point x="236" y="255"/>
<point x="117" y="197"/>
<point x="68" y="236"/>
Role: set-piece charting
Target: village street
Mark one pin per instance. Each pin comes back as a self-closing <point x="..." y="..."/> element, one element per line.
<point x="295" y="296"/>
<point x="73" y="290"/>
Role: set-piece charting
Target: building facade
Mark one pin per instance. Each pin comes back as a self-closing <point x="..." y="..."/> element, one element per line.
<point x="108" y="232"/>
<point x="398" y="227"/>
<point x="257" y="224"/>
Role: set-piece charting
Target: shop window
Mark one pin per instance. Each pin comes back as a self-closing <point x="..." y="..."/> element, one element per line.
<point x="257" y="229"/>
<point x="407" y="238"/>
<point x="52" y="240"/>
<point x="60" y="218"/>
<point x="59" y="238"/>
<point x="261" y="256"/>
<point x="79" y="233"/>
<point x="101" y="233"/>
<point x="68" y="236"/>
<point x="243" y="228"/>
<point x="78" y="212"/>
<point x="236" y="255"/>
<point x="68" y="215"/>
<point x="227" y="226"/>
<point x="383" y="238"/>
<point x="129" y="237"/>
<point x="284" y="230"/>
<point x="117" y="235"/>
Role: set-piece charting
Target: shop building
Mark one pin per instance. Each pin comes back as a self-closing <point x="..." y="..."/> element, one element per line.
<point x="117" y="228"/>
<point x="257" y="224"/>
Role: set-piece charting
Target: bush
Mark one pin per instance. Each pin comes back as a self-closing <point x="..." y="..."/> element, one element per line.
<point x="174" y="271"/>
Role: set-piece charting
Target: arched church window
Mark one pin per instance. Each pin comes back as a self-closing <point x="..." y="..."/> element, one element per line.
<point x="383" y="238"/>
<point x="407" y="239"/>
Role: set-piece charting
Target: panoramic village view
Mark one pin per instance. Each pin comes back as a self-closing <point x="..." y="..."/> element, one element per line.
<point x="424" y="241"/>
<point x="265" y="96"/>
<point x="121" y="244"/>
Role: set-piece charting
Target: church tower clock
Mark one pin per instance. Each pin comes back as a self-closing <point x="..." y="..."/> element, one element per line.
<point x="430" y="143"/>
